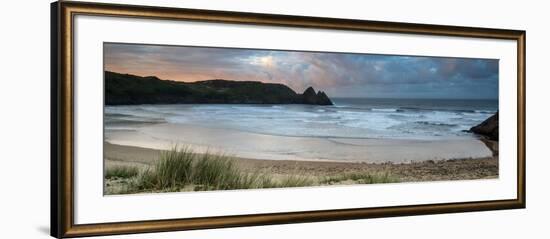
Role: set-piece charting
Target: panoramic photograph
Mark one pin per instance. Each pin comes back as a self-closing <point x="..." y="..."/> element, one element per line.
<point x="190" y="118"/>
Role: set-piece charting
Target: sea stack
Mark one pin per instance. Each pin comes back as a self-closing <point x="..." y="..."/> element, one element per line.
<point x="320" y="98"/>
<point x="488" y="128"/>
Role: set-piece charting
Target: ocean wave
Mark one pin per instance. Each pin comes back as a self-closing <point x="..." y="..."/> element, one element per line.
<point x="485" y="111"/>
<point x="404" y="109"/>
<point x="384" y="109"/>
<point x="436" y="124"/>
<point x="346" y="120"/>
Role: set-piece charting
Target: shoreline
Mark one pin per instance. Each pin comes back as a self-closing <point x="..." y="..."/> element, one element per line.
<point x="243" y="144"/>
<point x="429" y="170"/>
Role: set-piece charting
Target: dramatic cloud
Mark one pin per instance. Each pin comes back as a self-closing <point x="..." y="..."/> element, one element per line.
<point x="339" y="74"/>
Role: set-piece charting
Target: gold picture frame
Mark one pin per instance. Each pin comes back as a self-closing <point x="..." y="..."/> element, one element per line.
<point x="62" y="121"/>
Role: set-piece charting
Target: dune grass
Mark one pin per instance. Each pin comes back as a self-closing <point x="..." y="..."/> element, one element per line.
<point x="180" y="169"/>
<point x="121" y="172"/>
<point x="174" y="169"/>
<point x="296" y="181"/>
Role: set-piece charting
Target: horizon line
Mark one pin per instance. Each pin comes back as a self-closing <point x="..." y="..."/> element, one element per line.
<point x="408" y="98"/>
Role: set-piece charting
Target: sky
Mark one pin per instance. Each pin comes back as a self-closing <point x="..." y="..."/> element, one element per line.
<point x="338" y="74"/>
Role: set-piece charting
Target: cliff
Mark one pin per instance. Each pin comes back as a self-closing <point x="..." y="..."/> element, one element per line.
<point x="125" y="89"/>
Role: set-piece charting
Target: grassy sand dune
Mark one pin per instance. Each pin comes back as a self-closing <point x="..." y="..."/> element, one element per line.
<point x="139" y="170"/>
<point x="180" y="169"/>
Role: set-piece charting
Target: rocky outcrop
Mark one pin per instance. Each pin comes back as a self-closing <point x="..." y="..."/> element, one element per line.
<point x="125" y="89"/>
<point x="488" y="128"/>
<point x="320" y="98"/>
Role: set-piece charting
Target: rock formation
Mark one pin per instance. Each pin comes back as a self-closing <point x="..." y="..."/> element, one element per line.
<point x="488" y="128"/>
<point x="320" y="98"/>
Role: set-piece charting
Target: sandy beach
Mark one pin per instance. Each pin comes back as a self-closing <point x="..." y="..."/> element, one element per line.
<point x="429" y="170"/>
<point x="273" y="147"/>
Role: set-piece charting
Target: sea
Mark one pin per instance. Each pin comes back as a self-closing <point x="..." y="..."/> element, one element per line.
<point x="347" y="118"/>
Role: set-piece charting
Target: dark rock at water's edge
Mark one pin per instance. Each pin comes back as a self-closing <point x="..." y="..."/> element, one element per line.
<point x="320" y="98"/>
<point x="125" y="89"/>
<point x="488" y="128"/>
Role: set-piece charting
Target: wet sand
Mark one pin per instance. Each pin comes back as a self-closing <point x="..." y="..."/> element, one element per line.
<point x="273" y="147"/>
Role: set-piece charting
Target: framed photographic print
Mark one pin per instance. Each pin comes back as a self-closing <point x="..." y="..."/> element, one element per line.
<point x="172" y="119"/>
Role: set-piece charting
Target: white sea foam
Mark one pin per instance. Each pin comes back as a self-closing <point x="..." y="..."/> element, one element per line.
<point x="347" y="119"/>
